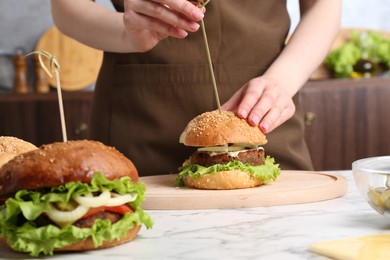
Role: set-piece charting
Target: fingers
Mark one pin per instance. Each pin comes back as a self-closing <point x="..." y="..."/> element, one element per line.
<point x="253" y="92"/>
<point x="234" y="101"/>
<point x="275" y="117"/>
<point x="184" y="7"/>
<point x="262" y="102"/>
<point x="135" y="22"/>
<point x="171" y="17"/>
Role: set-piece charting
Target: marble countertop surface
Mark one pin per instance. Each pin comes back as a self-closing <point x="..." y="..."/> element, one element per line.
<point x="278" y="232"/>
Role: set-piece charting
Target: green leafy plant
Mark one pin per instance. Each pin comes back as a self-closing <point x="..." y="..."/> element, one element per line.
<point x="369" y="45"/>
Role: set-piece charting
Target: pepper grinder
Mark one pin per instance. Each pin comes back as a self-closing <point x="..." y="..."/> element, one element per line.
<point x="41" y="84"/>
<point x="20" y="78"/>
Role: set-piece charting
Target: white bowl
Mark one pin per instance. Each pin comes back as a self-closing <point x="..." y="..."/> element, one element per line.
<point x="372" y="178"/>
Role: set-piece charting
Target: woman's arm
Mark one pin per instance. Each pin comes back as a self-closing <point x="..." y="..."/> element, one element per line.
<point x="309" y="44"/>
<point x="138" y="29"/>
<point x="267" y="100"/>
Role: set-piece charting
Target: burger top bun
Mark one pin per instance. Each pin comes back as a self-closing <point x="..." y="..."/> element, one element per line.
<point x="220" y="128"/>
<point x="58" y="163"/>
<point x="11" y="146"/>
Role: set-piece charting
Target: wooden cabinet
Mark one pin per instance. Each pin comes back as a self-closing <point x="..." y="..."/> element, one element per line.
<point x="36" y="118"/>
<point x="346" y="120"/>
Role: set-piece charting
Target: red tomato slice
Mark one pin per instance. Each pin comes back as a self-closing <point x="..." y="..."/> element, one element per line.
<point x="122" y="209"/>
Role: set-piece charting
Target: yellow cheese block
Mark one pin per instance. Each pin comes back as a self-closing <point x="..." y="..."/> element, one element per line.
<point x="372" y="247"/>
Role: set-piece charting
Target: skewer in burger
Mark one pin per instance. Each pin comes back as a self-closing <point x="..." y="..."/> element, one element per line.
<point x="229" y="155"/>
<point x="70" y="196"/>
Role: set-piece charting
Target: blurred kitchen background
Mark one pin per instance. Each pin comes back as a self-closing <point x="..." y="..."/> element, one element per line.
<point x="22" y="22"/>
<point x="345" y="117"/>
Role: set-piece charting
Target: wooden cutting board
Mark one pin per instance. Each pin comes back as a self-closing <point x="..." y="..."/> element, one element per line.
<point x="291" y="187"/>
<point x="79" y="64"/>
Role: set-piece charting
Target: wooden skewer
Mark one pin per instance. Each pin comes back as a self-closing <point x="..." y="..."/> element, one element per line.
<point x="55" y="67"/>
<point x="201" y="5"/>
<point x="211" y="66"/>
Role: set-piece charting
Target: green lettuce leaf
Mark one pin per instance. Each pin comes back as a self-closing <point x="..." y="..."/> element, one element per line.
<point x="342" y="59"/>
<point x="267" y="172"/>
<point x="17" y="216"/>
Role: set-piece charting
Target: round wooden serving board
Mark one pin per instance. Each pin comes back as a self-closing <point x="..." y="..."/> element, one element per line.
<point x="79" y="63"/>
<point x="291" y="187"/>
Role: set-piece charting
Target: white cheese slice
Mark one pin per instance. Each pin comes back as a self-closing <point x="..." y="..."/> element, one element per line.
<point x="372" y="247"/>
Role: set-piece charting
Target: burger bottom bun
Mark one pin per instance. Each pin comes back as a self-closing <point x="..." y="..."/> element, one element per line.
<point x="225" y="180"/>
<point x="87" y="244"/>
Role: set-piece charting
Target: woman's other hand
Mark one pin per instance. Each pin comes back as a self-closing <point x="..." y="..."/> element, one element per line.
<point x="267" y="100"/>
<point x="263" y="102"/>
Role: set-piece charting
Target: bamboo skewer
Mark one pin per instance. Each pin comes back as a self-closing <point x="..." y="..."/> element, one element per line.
<point x="203" y="27"/>
<point x="55" y="68"/>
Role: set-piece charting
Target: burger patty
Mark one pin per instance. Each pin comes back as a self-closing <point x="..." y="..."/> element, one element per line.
<point x="88" y="222"/>
<point x="253" y="157"/>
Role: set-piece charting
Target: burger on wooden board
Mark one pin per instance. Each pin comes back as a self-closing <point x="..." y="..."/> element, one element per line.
<point x="70" y="196"/>
<point x="229" y="155"/>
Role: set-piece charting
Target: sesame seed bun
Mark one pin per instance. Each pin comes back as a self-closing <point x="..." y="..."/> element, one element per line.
<point x="220" y="128"/>
<point x="11" y="146"/>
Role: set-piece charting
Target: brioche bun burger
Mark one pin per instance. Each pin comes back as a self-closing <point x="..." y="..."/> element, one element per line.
<point x="229" y="155"/>
<point x="70" y="196"/>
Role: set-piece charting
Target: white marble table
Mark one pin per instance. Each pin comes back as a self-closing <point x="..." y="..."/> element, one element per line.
<point x="279" y="232"/>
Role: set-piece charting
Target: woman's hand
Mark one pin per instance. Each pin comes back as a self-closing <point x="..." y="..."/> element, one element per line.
<point x="147" y="22"/>
<point x="267" y="101"/>
<point x="263" y="102"/>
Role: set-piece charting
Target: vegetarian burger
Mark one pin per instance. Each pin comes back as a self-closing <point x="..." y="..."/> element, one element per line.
<point x="229" y="155"/>
<point x="70" y="196"/>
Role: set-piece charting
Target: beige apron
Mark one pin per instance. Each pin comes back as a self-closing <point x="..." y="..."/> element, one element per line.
<point x="143" y="101"/>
